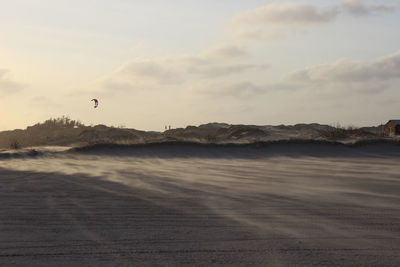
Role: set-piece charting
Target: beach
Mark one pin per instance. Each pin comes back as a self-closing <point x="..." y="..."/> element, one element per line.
<point x="302" y="207"/>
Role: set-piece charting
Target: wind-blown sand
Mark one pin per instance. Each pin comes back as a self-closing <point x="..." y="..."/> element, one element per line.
<point x="283" y="206"/>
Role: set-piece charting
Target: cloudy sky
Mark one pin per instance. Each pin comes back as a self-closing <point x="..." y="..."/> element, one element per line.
<point x="186" y="62"/>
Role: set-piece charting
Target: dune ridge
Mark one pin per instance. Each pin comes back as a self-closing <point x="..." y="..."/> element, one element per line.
<point x="317" y="148"/>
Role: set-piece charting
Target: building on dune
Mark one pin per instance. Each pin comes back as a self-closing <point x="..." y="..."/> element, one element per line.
<point x="392" y="127"/>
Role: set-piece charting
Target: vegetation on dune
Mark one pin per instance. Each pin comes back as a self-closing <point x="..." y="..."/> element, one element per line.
<point x="63" y="122"/>
<point x="14" y="144"/>
<point x="58" y="130"/>
<point x="337" y="132"/>
<point x="65" y="131"/>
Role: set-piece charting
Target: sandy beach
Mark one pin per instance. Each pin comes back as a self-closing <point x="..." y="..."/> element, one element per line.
<point x="281" y="209"/>
<point x="199" y="133"/>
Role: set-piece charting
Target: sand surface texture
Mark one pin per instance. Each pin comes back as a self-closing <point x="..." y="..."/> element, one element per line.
<point x="278" y="210"/>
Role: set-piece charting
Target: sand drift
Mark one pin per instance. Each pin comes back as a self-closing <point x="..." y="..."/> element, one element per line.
<point x="263" y="204"/>
<point x="293" y="148"/>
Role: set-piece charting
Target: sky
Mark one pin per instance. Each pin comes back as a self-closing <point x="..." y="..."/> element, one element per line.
<point x="153" y="63"/>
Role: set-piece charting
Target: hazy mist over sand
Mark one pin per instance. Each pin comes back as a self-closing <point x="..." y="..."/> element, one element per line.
<point x="277" y="205"/>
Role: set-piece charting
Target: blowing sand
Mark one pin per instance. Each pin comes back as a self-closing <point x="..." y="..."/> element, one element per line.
<point x="278" y="210"/>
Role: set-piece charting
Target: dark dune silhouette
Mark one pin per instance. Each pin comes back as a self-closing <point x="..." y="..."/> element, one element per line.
<point x="66" y="132"/>
<point x="291" y="148"/>
<point x="258" y="150"/>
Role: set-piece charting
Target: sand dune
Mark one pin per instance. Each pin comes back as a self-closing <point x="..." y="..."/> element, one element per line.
<point x="66" y="132"/>
<point x="297" y="148"/>
<point x="287" y="205"/>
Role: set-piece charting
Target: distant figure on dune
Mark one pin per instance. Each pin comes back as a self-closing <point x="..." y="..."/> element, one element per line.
<point x="96" y="102"/>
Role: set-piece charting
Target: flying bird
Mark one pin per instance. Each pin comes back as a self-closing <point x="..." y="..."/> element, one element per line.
<point x="96" y="102"/>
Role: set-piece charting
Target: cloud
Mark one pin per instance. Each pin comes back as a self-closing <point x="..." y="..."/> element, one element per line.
<point x="158" y="71"/>
<point x="277" y="20"/>
<point x="258" y="35"/>
<point x="361" y="8"/>
<point x="371" y="76"/>
<point x="288" y="13"/>
<point x="225" y="52"/>
<point x="181" y="71"/>
<point x="333" y="89"/>
<point x="174" y="69"/>
<point x="8" y="86"/>
<point x="345" y="70"/>
<point x="221" y="70"/>
<point x="244" y="89"/>
<point x="214" y="55"/>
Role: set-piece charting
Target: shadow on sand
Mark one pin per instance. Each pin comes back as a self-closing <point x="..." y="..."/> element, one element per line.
<point x="289" y="148"/>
